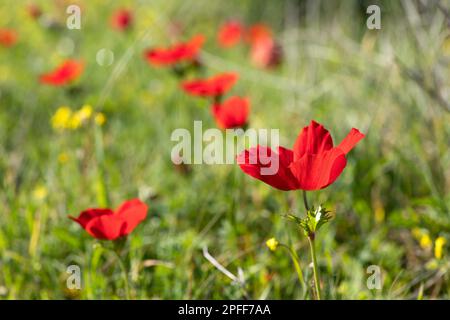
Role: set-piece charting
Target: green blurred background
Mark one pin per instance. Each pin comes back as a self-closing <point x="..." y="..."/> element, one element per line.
<point x="390" y="204"/>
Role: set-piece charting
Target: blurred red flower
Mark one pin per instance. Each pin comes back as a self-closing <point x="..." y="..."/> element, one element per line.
<point x="8" y="37"/>
<point x="66" y="72"/>
<point x="107" y="224"/>
<point x="185" y="51"/>
<point x="230" y="33"/>
<point x="264" y="51"/>
<point x="122" y="19"/>
<point x="313" y="164"/>
<point x="258" y="32"/>
<point x="232" y="113"/>
<point x="211" y="87"/>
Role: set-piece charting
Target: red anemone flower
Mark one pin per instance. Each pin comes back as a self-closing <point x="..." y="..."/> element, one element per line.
<point x="313" y="164"/>
<point x="66" y="72"/>
<point x="258" y="32"/>
<point x="8" y="37"/>
<point x="233" y="113"/>
<point x="185" y="51"/>
<point x="264" y="52"/>
<point x="106" y="224"/>
<point x="211" y="87"/>
<point x="230" y="34"/>
<point x="122" y="19"/>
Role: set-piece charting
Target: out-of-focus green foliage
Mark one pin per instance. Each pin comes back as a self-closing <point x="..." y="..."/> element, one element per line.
<point x="390" y="205"/>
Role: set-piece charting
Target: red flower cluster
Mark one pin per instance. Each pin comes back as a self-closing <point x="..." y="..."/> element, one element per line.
<point x="122" y="19"/>
<point x="185" y="51"/>
<point x="232" y="113"/>
<point x="107" y="224"/>
<point x="8" y="37"/>
<point x="264" y="51"/>
<point x="313" y="164"/>
<point x="65" y="73"/>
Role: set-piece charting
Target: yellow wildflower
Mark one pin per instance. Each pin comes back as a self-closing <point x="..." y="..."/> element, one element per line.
<point x="425" y="241"/>
<point x="99" y="118"/>
<point x="272" y="244"/>
<point x="40" y="193"/>
<point x="438" y="246"/>
<point x="85" y="112"/>
<point x="81" y="116"/>
<point x="423" y="237"/>
<point x="63" y="157"/>
<point x="75" y="123"/>
<point x="62" y="118"/>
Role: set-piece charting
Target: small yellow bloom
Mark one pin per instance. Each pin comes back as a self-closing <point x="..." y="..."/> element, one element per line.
<point x="63" y="157"/>
<point x="423" y="237"/>
<point x="99" y="118"/>
<point x="40" y="193"/>
<point x="272" y="244"/>
<point x="75" y="122"/>
<point x="425" y="241"/>
<point x="438" y="246"/>
<point x="85" y="112"/>
<point x="62" y="118"/>
<point x="81" y="116"/>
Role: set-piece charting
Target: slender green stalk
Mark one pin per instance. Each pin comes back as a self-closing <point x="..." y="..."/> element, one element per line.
<point x="296" y="262"/>
<point x="311" y="237"/>
<point x="305" y="201"/>
<point x="315" y="268"/>
<point x="102" y="191"/>
<point x="125" y="274"/>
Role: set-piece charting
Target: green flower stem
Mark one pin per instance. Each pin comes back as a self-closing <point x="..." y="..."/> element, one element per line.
<point x="314" y="260"/>
<point x="305" y="201"/>
<point x="124" y="272"/>
<point x="102" y="191"/>
<point x="296" y="262"/>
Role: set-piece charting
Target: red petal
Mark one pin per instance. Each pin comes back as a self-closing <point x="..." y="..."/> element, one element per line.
<point x="233" y="113"/>
<point x="194" y="45"/>
<point x="132" y="212"/>
<point x="89" y="214"/>
<point x="180" y="52"/>
<point x="230" y="34"/>
<point x="64" y="73"/>
<point x="214" y="86"/>
<point x="258" y="32"/>
<point x="106" y="227"/>
<point x="317" y="171"/>
<point x="261" y="52"/>
<point x="350" y="140"/>
<point x="8" y="37"/>
<point x="121" y="19"/>
<point x="313" y="139"/>
<point x="252" y="162"/>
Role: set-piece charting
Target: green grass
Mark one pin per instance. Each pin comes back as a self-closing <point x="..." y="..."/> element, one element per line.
<point x="335" y="71"/>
